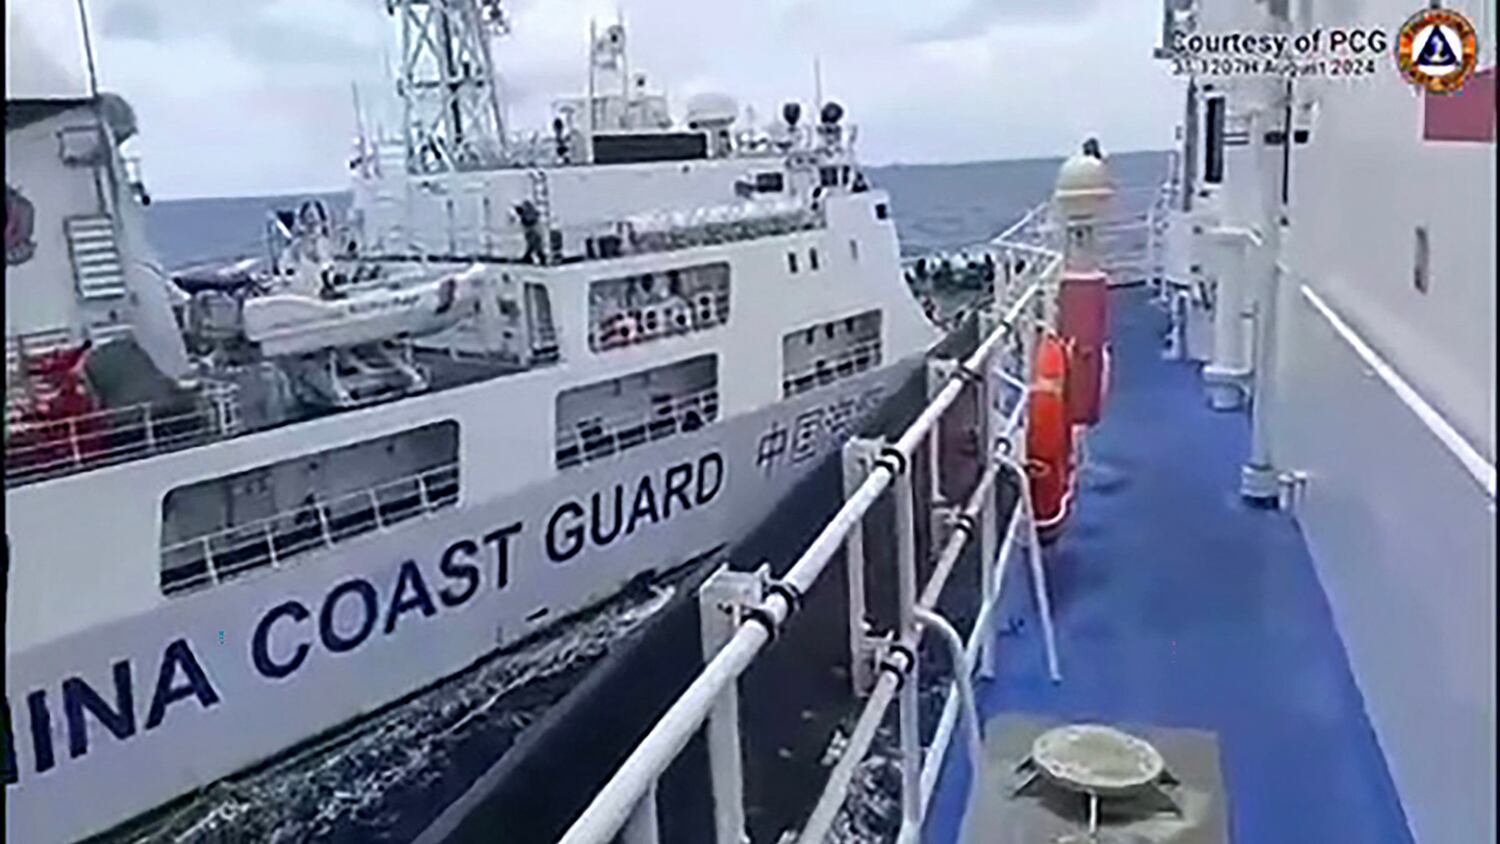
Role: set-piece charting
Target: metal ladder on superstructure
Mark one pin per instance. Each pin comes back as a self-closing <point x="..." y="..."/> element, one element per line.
<point x="98" y="272"/>
<point x="96" y="257"/>
<point x="541" y="197"/>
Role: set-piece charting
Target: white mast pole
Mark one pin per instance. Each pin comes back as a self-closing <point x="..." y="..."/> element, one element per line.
<point x="589" y="112"/>
<point x="624" y="69"/>
<point x="359" y="118"/>
<point x="817" y="88"/>
<point x="88" y="49"/>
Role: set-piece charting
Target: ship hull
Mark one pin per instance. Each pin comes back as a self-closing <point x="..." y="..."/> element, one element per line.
<point x="219" y="681"/>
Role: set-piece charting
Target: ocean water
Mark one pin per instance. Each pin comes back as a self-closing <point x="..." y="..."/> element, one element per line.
<point x="387" y="778"/>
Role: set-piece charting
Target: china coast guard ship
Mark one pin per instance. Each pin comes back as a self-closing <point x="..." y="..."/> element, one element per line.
<point x="245" y="507"/>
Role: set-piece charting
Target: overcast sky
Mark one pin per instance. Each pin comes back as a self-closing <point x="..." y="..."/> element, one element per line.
<point x="240" y="97"/>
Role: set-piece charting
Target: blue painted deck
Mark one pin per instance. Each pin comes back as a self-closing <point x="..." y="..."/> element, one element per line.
<point x="1177" y="604"/>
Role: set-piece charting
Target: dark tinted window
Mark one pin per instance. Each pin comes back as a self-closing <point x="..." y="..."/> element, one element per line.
<point x="1213" y="153"/>
<point x="649" y="146"/>
<point x="769" y="183"/>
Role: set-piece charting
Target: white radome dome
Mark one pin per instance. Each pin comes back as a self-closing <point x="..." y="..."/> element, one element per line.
<point x="709" y="110"/>
<point x="1083" y="187"/>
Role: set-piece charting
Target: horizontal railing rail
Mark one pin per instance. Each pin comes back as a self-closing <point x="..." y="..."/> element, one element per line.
<point x="42" y="449"/>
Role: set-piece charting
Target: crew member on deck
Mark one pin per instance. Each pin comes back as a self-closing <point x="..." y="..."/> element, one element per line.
<point x="530" y="223"/>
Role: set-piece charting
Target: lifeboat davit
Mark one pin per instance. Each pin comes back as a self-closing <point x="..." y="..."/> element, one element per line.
<point x="1049" y="437"/>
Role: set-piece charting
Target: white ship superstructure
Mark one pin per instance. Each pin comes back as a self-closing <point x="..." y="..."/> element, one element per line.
<point x="1333" y="244"/>
<point x="245" y="508"/>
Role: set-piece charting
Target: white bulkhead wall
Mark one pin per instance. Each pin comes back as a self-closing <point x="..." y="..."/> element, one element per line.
<point x="1360" y="191"/>
<point x="56" y="191"/>
<point x="1402" y="534"/>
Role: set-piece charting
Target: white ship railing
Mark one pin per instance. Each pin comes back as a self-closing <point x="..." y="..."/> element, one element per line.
<point x="1132" y="240"/>
<point x="540" y="149"/>
<point x="828" y="369"/>
<point x="400" y="239"/>
<point x="272" y="540"/>
<point x="627" y="803"/>
<point x="38" y="450"/>
<point x="593" y="438"/>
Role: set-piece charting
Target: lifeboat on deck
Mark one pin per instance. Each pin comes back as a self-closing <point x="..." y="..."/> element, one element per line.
<point x="291" y="323"/>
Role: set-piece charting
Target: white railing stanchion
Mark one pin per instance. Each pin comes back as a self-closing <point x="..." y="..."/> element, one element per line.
<point x="988" y="511"/>
<point x="983" y="633"/>
<point x="721" y="602"/>
<point x="1038" y="570"/>
<point x="150" y="433"/>
<point x="208" y="560"/>
<point x="73" y="441"/>
<point x="955" y="645"/>
<point x="613" y="804"/>
<point x="270" y="536"/>
<point x="375" y="508"/>
<point x="939" y="373"/>
<point x="642" y="826"/>
<point x="323" y="524"/>
<point x="858" y="455"/>
<point x="908" y="701"/>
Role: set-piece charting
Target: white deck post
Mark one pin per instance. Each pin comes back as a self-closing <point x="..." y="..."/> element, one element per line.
<point x="939" y="373"/>
<point x="988" y="513"/>
<point x="906" y="592"/>
<point x="858" y="455"/>
<point x="721" y="602"/>
<point x="1038" y="577"/>
<point x="642" y="826"/>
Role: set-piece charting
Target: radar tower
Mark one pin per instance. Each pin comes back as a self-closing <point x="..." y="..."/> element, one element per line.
<point x="447" y="83"/>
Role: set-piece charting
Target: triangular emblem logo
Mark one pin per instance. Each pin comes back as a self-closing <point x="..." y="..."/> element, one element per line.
<point x="1437" y="52"/>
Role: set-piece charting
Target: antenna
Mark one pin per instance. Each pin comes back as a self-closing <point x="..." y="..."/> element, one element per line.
<point x="359" y="116"/>
<point x="88" y="49"/>
<point x="624" y="66"/>
<point x="817" y="86"/>
<point x="593" y="61"/>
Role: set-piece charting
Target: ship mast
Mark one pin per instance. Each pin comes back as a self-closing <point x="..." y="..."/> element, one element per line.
<point x="88" y="49"/>
<point x="448" y="85"/>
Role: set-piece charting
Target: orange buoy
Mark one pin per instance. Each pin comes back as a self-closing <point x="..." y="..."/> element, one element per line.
<point x="1049" y="432"/>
